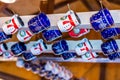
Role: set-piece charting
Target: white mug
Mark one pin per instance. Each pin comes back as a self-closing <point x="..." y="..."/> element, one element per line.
<point x="83" y="47"/>
<point x="24" y="35"/>
<point x="68" y="21"/>
<point x="38" y="47"/>
<point x="11" y="26"/>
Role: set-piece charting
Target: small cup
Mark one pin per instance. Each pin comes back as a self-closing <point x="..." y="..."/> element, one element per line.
<point x="83" y="47"/>
<point x="101" y="20"/>
<point x="28" y="56"/>
<point x="3" y="48"/>
<point x="50" y="35"/>
<point x="68" y="21"/>
<point x="11" y="26"/>
<point x="109" y="47"/>
<point x="24" y="35"/>
<point x="76" y="33"/>
<point x="8" y="55"/>
<point x="39" y="23"/>
<point x="68" y="55"/>
<point x="18" y="48"/>
<point x="110" y="33"/>
<point x="4" y="37"/>
<point x="89" y="55"/>
<point x="38" y="47"/>
<point x="60" y="47"/>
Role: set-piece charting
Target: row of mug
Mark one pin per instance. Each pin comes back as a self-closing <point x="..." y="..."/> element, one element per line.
<point x="41" y="23"/>
<point x="48" y="69"/>
<point x="83" y="49"/>
<point x="101" y="21"/>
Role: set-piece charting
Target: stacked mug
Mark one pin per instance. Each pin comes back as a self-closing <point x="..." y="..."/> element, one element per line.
<point x="47" y="69"/>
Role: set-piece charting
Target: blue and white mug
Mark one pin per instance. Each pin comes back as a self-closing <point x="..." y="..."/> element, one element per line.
<point x="110" y="33"/>
<point x="39" y="23"/>
<point x="4" y="37"/>
<point x="18" y="48"/>
<point x="28" y="56"/>
<point x="109" y="47"/>
<point x="60" y="47"/>
<point x="50" y="35"/>
<point x="101" y="20"/>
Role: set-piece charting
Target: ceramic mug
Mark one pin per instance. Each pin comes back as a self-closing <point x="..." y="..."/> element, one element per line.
<point x="83" y="46"/>
<point x="68" y="55"/>
<point x="50" y="35"/>
<point x="38" y="47"/>
<point x="89" y="55"/>
<point x="60" y="47"/>
<point x="39" y="23"/>
<point x="110" y="33"/>
<point x="101" y="20"/>
<point x="11" y="26"/>
<point x="109" y="47"/>
<point x="24" y="35"/>
<point x="4" y="37"/>
<point x="76" y="33"/>
<point x="3" y="48"/>
<point x="68" y="21"/>
<point x="18" y="48"/>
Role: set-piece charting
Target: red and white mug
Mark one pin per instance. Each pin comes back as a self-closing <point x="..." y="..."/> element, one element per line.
<point x="68" y="21"/>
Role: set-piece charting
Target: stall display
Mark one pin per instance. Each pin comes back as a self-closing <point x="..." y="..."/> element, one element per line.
<point x="62" y="50"/>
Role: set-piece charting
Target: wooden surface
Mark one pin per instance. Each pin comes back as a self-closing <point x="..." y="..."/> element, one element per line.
<point x="89" y="71"/>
